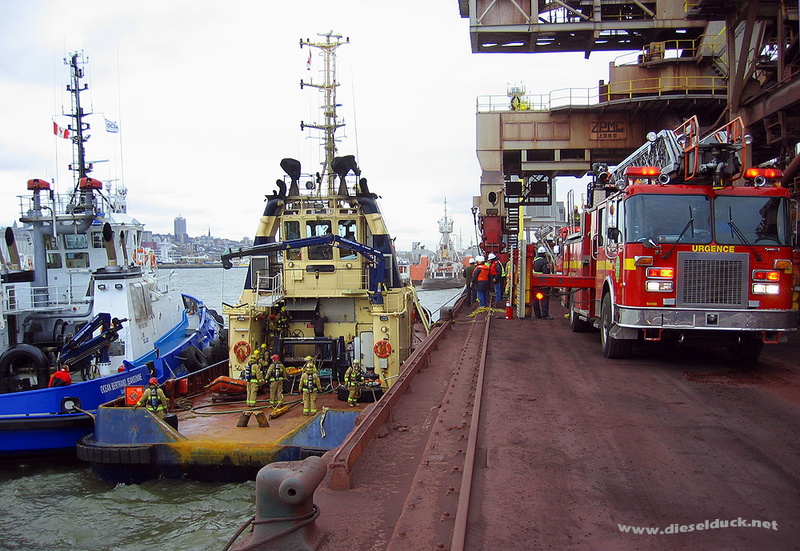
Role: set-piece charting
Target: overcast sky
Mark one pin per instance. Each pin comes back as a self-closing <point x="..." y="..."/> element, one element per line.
<point x="207" y="98"/>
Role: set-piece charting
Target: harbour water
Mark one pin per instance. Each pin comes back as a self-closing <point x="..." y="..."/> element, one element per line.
<point x="62" y="507"/>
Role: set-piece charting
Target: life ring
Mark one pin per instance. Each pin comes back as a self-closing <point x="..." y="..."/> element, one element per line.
<point x="242" y="350"/>
<point x="382" y="349"/>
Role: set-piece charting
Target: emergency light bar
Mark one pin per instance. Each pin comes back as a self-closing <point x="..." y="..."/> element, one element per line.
<point x="768" y="173"/>
<point x="642" y="171"/>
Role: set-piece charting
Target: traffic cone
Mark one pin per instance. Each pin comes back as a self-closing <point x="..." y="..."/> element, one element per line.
<point x="509" y="310"/>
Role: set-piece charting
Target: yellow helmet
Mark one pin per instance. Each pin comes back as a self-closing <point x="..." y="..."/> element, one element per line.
<point x="309" y="358"/>
<point x="256" y="352"/>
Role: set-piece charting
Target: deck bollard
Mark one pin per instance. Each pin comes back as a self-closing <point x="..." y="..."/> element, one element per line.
<point x="285" y="511"/>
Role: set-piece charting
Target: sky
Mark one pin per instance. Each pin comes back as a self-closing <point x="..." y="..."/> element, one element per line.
<point x="207" y="99"/>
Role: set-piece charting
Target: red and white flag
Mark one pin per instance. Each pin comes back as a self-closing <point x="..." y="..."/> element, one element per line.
<point x="60" y="132"/>
<point x="308" y="63"/>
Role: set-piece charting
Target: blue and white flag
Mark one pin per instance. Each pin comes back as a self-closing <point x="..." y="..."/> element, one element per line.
<point x="111" y="126"/>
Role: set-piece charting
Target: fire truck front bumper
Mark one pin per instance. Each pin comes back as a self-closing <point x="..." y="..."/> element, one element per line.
<point x="707" y="319"/>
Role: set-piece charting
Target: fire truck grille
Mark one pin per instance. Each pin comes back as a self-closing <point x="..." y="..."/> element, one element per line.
<point x="712" y="279"/>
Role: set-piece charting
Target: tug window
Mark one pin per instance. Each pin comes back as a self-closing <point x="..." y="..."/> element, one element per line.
<point x="319" y="228"/>
<point x="75" y="241"/>
<point x="291" y="230"/>
<point x="347" y="229"/>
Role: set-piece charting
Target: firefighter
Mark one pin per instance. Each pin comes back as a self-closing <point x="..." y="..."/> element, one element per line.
<point x="276" y="373"/>
<point x="282" y="321"/>
<point x="353" y="379"/>
<point x="481" y="279"/>
<point x="154" y="399"/>
<point x="310" y="363"/>
<point x="309" y="382"/>
<point x="541" y="306"/>
<point x="253" y="377"/>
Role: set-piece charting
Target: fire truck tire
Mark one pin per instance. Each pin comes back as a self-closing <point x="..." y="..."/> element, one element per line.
<point x="612" y="348"/>
<point x="576" y="324"/>
<point x="746" y="349"/>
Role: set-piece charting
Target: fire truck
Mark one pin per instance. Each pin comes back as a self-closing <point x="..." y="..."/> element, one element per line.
<point x="670" y="250"/>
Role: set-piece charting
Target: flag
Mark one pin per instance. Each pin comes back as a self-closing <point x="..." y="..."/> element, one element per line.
<point x="60" y="132"/>
<point x="111" y="126"/>
<point x="308" y="63"/>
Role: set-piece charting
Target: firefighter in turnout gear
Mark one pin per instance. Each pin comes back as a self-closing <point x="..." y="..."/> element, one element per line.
<point x="276" y="373"/>
<point x="310" y="362"/>
<point x="309" y="382"/>
<point x="154" y="399"/>
<point x="353" y="379"/>
<point x="253" y="377"/>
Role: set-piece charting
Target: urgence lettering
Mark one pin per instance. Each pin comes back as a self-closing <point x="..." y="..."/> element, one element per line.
<point x="713" y="248"/>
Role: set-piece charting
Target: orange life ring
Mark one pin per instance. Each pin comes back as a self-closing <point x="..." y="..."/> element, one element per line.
<point x="382" y="349"/>
<point x="242" y="350"/>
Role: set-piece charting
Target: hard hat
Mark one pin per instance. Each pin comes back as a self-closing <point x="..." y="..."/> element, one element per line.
<point x="356" y="362"/>
<point x="309" y="358"/>
<point x="472" y="261"/>
<point x="263" y="346"/>
<point x="492" y="256"/>
<point x="479" y="258"/>
<point x="256" y="352"/>
<point x="540" y="250"/>
<point x="153" y="381"/>
<point x="275" y="357"/>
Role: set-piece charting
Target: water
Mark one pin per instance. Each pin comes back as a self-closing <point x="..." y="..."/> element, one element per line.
<point x="64" y="508"/>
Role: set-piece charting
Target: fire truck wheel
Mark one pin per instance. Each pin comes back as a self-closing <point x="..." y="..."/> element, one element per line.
<point x="577" y="324"/>
<point x="612" y="348"/>
<point x="746" y="349"/>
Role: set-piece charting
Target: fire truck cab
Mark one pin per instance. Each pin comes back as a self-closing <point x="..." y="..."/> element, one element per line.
<point x="671" y="250"/>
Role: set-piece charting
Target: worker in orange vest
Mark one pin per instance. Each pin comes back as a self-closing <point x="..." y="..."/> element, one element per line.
<point x="481" y="278"/>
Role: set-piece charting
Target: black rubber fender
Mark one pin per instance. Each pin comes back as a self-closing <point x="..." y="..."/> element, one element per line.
<point x="23" y="352"/>
<point x="193" y="359"/>
<point x="87" y="450"/>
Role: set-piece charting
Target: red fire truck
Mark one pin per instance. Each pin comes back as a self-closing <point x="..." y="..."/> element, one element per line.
<point x="670" y="249"/>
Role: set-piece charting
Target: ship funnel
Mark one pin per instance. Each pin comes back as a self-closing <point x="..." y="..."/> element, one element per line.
<point x="108" y="241"/>
<point x="13" y="252"/>
<point x="342" y="166"/>
<point x="292" y="169"/>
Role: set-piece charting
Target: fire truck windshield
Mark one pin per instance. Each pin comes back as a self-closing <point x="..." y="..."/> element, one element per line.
<point x="659" y="219"/>
<point x="668" y="219"/>
<point x="760" y="220"/>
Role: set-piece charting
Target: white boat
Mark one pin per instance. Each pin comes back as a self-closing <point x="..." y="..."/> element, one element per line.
<point x="92" y="300"/>
<point x="445" y="269"/>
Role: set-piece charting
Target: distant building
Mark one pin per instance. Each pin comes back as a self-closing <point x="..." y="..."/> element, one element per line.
<point x="180" y="230"/>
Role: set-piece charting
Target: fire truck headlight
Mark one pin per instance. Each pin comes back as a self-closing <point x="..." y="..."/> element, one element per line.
<point x="766" y="288"/>
<point x="655" y="286"/>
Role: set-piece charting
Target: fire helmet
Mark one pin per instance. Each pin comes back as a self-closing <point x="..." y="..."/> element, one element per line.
<point x="541" y="250"/>
<point x="153" y="381"/>
<point x="472" y="261"/>
<point x="275" y="357"/>
<point x="309" y="358"/>
<point x="492" y="256"/>
<point x="480" y="259"/>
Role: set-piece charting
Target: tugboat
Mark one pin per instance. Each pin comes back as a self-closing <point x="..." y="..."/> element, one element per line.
<point x="324" y="288"/>
<point x="92" y="308"/>
<point x="445" y="270"/>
